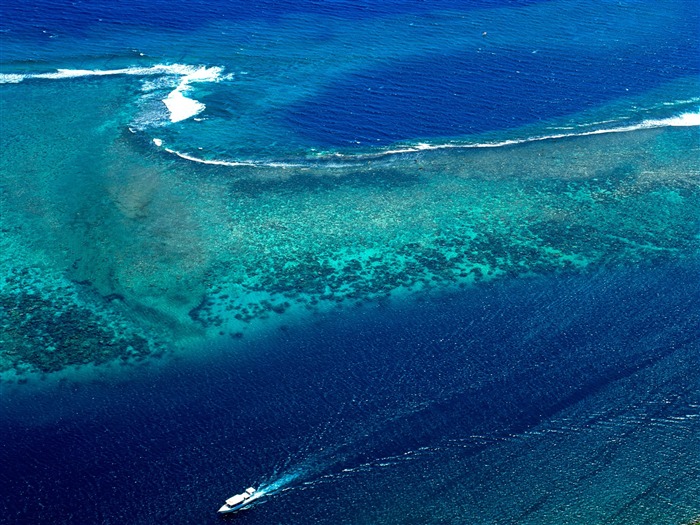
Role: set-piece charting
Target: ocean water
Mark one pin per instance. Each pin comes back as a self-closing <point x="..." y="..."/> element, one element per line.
<point x="389" y="263"/>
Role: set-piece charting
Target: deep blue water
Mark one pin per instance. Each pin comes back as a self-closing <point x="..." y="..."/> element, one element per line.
<point x="297" y="78"/>
<point x="67" y="16"/>
<point x="356" y="391"/>
<point x="458" y="94"/>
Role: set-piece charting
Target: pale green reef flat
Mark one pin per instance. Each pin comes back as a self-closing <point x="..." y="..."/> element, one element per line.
<point x="115" y="251"/>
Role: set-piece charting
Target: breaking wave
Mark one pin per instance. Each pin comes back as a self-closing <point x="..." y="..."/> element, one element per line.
<point x="344" y="159"/>
<point x="166" y="90"/>
<point x="179" y="105"/>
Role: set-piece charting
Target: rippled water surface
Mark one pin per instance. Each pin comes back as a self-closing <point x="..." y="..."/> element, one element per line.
<point x="387" y="263"/>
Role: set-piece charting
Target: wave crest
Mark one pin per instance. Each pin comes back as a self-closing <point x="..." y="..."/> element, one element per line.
<point x="345" y="160"/>
<point x="180" y="107"/>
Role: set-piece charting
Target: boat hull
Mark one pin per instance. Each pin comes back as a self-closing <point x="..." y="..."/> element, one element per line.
<point x="240" y="501"/>
<point x="229" y="510"/>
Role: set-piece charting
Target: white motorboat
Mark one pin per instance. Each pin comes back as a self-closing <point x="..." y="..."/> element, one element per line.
<point x="240" y="501"/>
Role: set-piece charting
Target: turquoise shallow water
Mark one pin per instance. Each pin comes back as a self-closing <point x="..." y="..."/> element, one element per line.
<point x="394" y="264"/>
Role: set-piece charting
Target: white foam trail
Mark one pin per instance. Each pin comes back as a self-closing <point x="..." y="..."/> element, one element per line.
<point x="179" y="105"/>
<point x="281" y="482"/>
<point x="278" y="485"/>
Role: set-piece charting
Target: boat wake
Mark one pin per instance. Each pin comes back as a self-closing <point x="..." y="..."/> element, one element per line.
<point x="280" y="483"/>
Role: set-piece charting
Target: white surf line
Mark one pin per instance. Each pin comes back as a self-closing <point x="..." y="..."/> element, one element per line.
<point x="230" y="163"/>
<point x="688" y="119"/>
<point x="180" y="106"/>
<point x="682" y="120"/>
<point x="204" y="161"/>
<point x="158" y="69"/>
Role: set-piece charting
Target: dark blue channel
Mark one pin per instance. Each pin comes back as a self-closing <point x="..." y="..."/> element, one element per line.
<point x="343" y="391"/>
<point x="471" y="92"/>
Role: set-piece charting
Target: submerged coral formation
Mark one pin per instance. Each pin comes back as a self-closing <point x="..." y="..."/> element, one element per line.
<point x="176" y="251"/>
<point x="46" y="328"/>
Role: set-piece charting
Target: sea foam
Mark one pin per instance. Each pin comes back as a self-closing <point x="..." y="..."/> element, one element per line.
<point x="180" y="106"/>
<point x="686" y="119"/>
